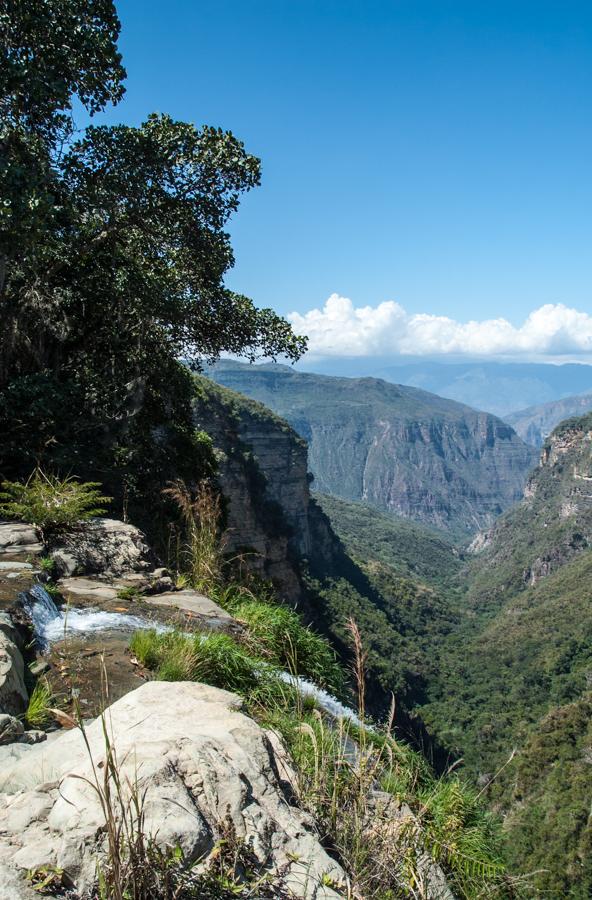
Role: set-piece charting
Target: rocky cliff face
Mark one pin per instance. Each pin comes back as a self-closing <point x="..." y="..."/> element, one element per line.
<point x="554" y="521"/>
<point x="398" y="448"/>
<point x="263" y="476"/>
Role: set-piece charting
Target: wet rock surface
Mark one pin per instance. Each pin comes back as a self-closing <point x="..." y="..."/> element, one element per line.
<point x="13" y="692"/>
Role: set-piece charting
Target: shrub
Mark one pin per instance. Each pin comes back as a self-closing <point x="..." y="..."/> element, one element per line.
<point x="50" y="503"/>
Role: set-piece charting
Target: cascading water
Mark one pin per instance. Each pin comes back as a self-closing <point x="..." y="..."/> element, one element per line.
<point x="327" y="702"/>
<point x="52" y="624"/>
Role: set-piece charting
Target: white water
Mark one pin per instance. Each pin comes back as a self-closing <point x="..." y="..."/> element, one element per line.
<point x="52" y="624"/>
<point x="327" y="702"/>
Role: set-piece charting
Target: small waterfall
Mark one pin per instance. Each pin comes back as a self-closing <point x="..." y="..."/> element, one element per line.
<point x="42" y="610"/>
<point x="326" y="701"/>
<point x="52" y="624"/>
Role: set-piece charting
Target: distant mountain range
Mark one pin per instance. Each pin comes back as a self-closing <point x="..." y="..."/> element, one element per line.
<point x="536" y="423"/>
<point x="499" y="388"/>
<point x="399" y="449"/>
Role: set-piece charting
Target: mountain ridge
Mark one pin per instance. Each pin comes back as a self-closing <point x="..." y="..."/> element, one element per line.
<point x="398" y="448"/>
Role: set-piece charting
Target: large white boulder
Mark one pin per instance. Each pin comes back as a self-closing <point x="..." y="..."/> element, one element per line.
<point x="199" y="761"/>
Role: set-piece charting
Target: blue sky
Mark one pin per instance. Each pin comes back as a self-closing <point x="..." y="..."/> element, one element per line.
<point x="435" y="154"/>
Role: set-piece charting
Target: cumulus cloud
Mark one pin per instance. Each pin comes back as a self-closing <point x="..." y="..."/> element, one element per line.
<point x="341" y="329"/>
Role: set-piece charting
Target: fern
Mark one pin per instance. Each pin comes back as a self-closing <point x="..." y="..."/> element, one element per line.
<point x="50" y="503"/>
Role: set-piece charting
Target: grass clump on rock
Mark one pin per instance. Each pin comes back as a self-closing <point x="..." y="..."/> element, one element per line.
<point x="215" y="659"/>
<point x="278" y="634"/>
<point x="39" y="712"/>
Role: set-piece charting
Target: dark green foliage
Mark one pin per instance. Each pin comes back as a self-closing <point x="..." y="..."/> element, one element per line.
<point x="411" y="550"/>
<point x="113" y="252"/>
<point x="515" y="674"/>
<point x="403" y="619"/>
<point x="51" y="504"/>
<point x="548" y="827"/>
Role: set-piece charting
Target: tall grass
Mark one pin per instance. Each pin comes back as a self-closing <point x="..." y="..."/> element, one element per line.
<point x="379" y="806"/>
<point x="201" y="556"/>
<point x="215" y="659"/>
<point x="277" y="634"/>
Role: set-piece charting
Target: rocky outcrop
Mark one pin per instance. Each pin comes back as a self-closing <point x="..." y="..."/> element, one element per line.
<point x="397" y="448"/>
<point x="201" y="765"/>
<point x="13" y="693"/>
<point x="102" y="546"/>
<point x="18" y="538"/>
<point x="262" y="471"/>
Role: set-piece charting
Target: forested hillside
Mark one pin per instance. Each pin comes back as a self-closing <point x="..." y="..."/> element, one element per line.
<point x="515" y="675"/>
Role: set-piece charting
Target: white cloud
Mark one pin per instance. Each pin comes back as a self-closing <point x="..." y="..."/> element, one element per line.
<point x="340" y="329"/>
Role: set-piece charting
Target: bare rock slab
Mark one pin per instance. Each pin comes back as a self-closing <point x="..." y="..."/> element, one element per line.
<point x="18" y="537"/>
<point x="198" y="759"/>
<point x="191" y="602"/>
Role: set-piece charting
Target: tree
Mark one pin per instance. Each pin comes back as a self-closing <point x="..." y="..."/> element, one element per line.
<point x="113" y="252"/>
<point x="51" y="51"/>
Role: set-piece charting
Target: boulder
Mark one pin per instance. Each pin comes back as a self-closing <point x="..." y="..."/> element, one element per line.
<point x="18" y="537"/>
<point x="102" y="547"/>
<point x="13" y="693"/>
<point x="11" y="729"/>
<point x="202" y="766"/>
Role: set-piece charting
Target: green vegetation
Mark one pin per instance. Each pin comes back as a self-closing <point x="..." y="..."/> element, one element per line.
<point x="39" y="709"/>
<point x="50" y="503"/>
<point x="201" y="556"/>
<point x="410" y="550"/>
<point x="277" y="634"/>
<point x="113" y="252"/>
<point x="514" y="677"/>
<point x="385" y="855"/>
<point x="404" y="618"/>
<point x="215" y="659"/>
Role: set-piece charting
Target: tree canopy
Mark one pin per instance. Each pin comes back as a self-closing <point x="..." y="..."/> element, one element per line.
<point x="113" y="241"/>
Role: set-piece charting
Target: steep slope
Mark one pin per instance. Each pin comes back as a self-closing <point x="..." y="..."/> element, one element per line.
<point x="536" y="423"/>
<point x="285" y="536"/>
<point x="399" y="449"/>
<point x="411" y="550"/>
<point x="517" y="673"/>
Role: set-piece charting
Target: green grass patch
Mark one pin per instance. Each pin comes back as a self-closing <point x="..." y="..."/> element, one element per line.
<point x="38" y="713"/>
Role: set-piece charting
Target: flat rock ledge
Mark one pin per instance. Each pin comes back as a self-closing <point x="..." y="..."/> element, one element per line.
<point x="200" y="761"/>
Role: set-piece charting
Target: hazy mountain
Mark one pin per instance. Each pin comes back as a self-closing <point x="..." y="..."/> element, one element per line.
<point x="397" y="448"/>
<point x="537" y="422"/>
<point x="499" y="388"/>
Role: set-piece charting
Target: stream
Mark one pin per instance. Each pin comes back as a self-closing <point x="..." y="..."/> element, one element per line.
<point x="52" y="624"/>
